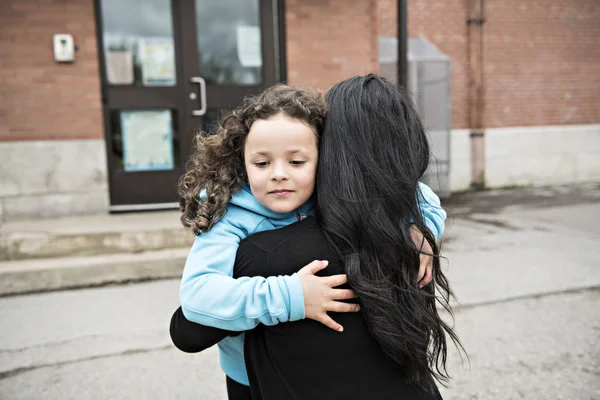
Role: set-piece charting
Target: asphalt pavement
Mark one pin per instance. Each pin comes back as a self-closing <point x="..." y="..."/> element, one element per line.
<point x="523" y="263"/>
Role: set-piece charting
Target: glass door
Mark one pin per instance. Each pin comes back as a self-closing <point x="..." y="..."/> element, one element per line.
<point x="230" y="53"/>
<point x="169" y="67"/>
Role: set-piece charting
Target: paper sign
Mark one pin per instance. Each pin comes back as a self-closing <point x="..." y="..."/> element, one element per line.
<point x="147" y="140"/>
<point x="157" y="59"/>
<point x="119" y="67"/>
<point x="249" y="46"/>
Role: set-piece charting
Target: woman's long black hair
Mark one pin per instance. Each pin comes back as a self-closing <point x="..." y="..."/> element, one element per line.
<point x="373" y="152"/>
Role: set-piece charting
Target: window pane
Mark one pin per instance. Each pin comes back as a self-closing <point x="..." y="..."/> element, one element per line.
<point x="138" y="42"/>
<point x="229" y="41"/>
<point x="145" y="140"/>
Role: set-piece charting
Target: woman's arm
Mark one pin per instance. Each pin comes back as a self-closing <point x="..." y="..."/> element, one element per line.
<point x="190" y="337"/>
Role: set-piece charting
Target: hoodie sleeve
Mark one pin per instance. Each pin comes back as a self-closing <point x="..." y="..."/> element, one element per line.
<point x="432" y="211"/>
<point x="211" y="296"/>
<point x="190" y="337"/>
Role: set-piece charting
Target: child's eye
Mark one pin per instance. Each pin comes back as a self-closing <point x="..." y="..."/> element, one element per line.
<point x="297" y="162"/>
<point x="261" y="164"/>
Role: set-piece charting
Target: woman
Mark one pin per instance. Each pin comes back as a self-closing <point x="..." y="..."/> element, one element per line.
<point x="373" y="151"/>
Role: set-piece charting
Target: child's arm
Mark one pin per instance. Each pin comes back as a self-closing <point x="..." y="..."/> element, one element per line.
<point x="210" y="296"/>
<point x="432" y="211"/>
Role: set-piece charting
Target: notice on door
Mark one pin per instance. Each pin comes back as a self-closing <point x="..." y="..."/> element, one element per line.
<point x="249" y="46"/>
<point x="157" y="61"/>
<point x="147" y="140"/>
<point x="119" y="67"/>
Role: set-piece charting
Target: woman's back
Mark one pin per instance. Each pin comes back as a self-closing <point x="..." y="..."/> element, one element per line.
<point x="304" y="359"/>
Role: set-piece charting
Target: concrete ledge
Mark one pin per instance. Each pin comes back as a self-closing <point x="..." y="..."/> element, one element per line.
<point x="21" y="246"/>
<point x="54" y="205"/>
<point x="29" y="276"/>
<point x="92" y="235"/>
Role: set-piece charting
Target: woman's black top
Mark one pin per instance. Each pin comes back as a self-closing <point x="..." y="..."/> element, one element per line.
<point x="304" y="359"/>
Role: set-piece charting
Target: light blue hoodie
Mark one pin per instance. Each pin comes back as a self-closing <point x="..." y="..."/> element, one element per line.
<point x="210" y="296"/>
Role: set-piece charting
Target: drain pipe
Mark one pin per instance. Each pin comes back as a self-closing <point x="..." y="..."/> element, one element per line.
<point x="402" y="21"/>
<point x="475" y="22"/>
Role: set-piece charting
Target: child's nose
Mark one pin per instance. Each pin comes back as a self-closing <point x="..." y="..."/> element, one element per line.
<point x="279" y="173"/>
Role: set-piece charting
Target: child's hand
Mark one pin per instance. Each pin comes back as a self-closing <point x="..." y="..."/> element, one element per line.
<point x="320" y="295"/>
<point x="426" y="261"/>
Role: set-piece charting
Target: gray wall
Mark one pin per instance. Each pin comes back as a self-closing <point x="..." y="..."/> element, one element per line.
<point x="43" y="179"/>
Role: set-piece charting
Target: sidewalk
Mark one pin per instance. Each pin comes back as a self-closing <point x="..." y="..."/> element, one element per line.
<point x="97" y="250"/>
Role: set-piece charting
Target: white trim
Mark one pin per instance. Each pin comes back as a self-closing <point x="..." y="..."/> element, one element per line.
<point x="545" y="128"/>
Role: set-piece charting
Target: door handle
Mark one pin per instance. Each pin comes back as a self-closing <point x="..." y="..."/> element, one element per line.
<point x="202" y="83"/>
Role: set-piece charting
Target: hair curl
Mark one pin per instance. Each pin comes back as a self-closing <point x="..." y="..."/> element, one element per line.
<point x="216" y="162"/>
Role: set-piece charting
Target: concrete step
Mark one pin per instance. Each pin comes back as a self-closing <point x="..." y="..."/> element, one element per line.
<point x="38" y="275"/>
<point x="92" y="235"/>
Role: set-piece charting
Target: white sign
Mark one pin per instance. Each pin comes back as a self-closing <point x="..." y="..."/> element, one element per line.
<point x="64" y="47"/>
<point x="147" y="140"/>
<point x="119" y="67"/>
<point x="249" y="46"/>
<point x="157" y="59"/>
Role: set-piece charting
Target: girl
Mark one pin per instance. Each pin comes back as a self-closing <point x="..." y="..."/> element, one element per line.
<point x="258" y="173"/>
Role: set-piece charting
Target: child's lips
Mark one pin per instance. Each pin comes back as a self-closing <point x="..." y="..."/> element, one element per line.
<point x="280" y="192"/>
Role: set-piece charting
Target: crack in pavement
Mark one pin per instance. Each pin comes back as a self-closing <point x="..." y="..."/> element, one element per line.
<point x="458" y="307"/>
<point x="51" y="344"/>
<point x="17" y="371"/>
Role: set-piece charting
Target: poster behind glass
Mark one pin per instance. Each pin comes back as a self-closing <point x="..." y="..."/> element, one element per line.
<point x="147" y="140"/>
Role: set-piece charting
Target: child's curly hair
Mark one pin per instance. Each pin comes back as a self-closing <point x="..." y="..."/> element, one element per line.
<point x="216" y="162"/>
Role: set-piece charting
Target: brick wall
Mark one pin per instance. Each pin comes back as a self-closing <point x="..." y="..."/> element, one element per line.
<point x="39" y="98"/>
<point x="541" y="57"/>
<point x="330" y="40"/>
<point x="542" y="62"/>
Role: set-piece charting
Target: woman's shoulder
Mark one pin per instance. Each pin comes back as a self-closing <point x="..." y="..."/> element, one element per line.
<point x="307" y="229"/>
<point x="282" y="251"/>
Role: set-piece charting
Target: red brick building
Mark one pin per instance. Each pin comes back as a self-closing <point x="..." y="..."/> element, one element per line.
<point x="63" y="125"/>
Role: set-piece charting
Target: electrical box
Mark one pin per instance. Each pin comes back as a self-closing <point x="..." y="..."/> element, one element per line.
<point x="64" y="47"/>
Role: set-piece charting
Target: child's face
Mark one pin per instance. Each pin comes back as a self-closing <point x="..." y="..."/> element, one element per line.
<point x="281" y="162"/>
